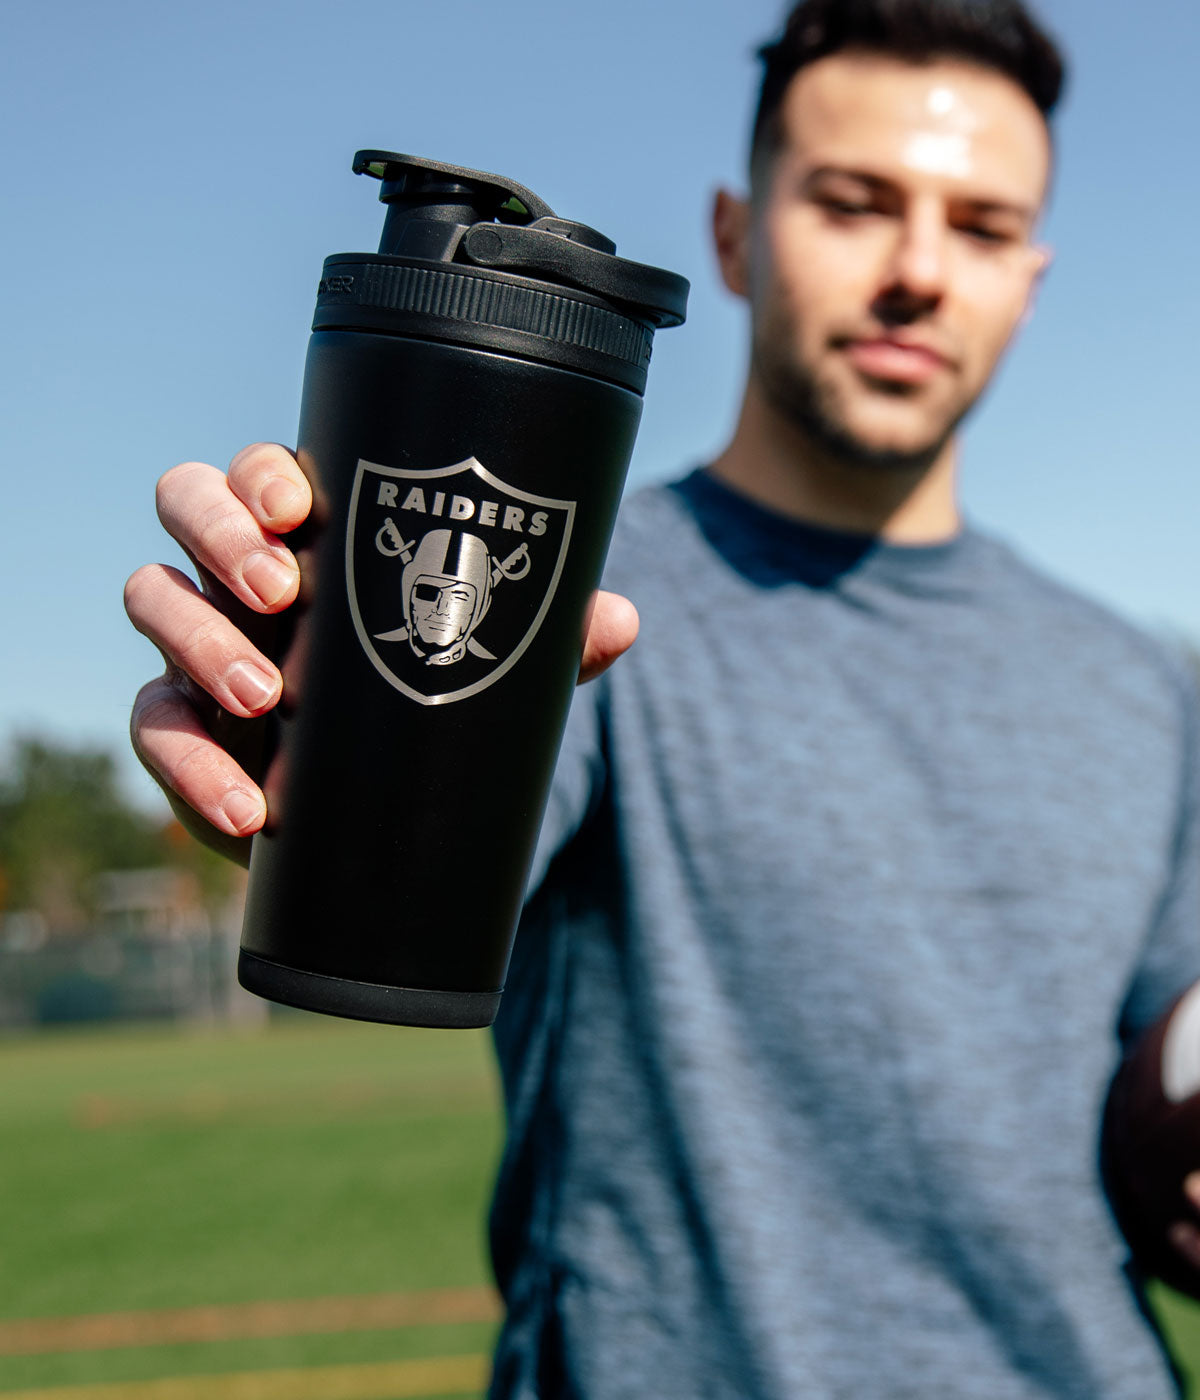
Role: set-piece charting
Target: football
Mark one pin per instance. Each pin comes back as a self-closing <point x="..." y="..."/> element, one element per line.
<point x="1151" y="1142"/>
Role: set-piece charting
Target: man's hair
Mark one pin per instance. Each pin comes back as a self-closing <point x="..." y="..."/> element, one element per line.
<point x="997" y="34"/>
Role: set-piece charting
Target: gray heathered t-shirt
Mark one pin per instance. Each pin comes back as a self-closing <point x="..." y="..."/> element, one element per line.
<point x="853" y="873"/>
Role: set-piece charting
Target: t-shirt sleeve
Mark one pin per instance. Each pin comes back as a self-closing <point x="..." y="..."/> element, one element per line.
<point x="1170" y="960"/>
<point x="578" y="779"/>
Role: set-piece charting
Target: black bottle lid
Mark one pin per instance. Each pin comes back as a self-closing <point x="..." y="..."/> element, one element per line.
<point x="477" y="259"/>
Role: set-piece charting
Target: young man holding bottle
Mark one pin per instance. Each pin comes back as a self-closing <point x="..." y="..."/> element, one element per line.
<point x="864" y="865"/>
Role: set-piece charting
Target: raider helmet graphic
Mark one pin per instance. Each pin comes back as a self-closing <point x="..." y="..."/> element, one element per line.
<point x="472" y="590"/>
<point x="446" y="588"/>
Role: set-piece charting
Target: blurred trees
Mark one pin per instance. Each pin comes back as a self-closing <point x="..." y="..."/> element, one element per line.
<point x="64" y="820"/>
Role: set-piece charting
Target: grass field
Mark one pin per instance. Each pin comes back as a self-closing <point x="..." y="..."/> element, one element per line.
<point x="291" y="1213"/>
<point x="174" y="1181"/>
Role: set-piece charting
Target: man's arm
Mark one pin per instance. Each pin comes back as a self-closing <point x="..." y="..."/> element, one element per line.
<point x="186" y="722"/>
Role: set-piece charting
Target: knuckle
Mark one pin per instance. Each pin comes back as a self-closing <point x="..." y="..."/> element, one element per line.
<point x="219" y="529"/>
<point x="259" y="460"/>
<point x="157" y="708"/>
<point x="149" y="589"/>
<point x="244" y="460"/>
<point x="167" y="739"/>
<point x="136" y="587"/>
<point x="197" y="769"/>
<point x="199" y="644"/>
<point x="174" y="480"/>
<point x="156" y="598"/>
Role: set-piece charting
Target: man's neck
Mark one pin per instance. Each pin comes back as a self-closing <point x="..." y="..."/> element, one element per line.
<point x="777" y="464"/>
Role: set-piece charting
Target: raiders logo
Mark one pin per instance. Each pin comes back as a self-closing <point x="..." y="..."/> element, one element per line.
<point x="449" y="573"/>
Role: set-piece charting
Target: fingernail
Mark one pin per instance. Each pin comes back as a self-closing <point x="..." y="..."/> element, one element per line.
<point x="1184" y="1236"/>
<point x="241" y="810"/>
<point x="279" y="497"/>
<point x="268" y="576"/>
<point x="1191" y="1188"/>
<point x="253" y="686"/>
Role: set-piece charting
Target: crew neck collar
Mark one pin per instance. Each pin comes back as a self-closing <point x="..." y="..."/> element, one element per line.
<point x="770" y="548"/>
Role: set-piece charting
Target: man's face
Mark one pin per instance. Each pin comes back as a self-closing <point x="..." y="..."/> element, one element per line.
<point x="442" y="609"/>
<point x="888" y="254"/>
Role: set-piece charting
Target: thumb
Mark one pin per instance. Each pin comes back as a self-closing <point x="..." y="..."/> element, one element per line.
<point x="610" y="630"/>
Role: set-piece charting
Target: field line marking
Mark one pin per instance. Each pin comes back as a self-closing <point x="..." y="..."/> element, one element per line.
<point x="233" y="1321"/>
<point x="447" y="1093"/>
<point x="385" y="1380"/>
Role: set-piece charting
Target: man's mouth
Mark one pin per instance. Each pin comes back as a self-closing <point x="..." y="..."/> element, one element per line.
<point x="898" y="359"/>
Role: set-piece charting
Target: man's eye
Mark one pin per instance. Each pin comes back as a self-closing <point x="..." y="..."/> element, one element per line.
<point x="992" y="237"/>
<point x="847" y="208"/>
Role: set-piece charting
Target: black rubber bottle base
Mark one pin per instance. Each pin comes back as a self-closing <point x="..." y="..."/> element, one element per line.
<point x="366" y="1001"/>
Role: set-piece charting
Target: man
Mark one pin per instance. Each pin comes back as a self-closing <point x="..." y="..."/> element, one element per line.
<point x="855" y="864"/>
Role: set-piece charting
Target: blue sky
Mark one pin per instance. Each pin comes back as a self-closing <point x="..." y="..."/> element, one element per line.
<point x="175" y="174"/>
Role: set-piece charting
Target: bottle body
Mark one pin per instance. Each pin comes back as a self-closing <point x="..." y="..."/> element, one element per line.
<point x="463" y="502"/>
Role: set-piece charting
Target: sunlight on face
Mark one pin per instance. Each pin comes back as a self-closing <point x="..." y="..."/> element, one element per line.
<point x="946" y="146"/>
<point x="947" y="106"/>
<point x="939" y="152"/>
<point x="941" y="101"/>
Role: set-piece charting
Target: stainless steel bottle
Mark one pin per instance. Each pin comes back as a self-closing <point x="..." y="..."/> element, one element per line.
<point x="471" y="398"/>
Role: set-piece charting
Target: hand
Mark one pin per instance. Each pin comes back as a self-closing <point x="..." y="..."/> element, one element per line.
<point x="230" y="526"/>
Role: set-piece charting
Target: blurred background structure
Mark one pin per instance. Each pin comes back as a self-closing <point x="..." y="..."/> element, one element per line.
<point x="107" y="910"/>
<point x="173" y="177"/>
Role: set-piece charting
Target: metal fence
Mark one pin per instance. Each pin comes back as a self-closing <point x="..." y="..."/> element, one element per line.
<point x="141" y="960"/>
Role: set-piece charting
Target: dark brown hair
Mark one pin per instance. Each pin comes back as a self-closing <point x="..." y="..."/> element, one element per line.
<point x="998" y="34"/>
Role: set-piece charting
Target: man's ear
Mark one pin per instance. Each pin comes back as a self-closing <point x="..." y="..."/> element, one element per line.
<point x="731" y="239"/>
<point x="1043" y="256"/>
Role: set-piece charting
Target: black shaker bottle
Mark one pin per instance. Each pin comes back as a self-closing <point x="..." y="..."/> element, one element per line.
<point x="471" y="398"/>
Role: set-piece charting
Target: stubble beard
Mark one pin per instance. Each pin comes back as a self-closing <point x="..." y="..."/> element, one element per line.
<point x="797" y="394"/>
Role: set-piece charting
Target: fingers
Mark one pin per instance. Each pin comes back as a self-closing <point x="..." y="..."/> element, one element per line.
<point x="180" y="754"/>
<point x="229" y="524"/>
<point x="167" y="607"/>
<point x="612" y="627"/>
<point x="1185" y="1239"/>
<point x="1183" y="1234"/>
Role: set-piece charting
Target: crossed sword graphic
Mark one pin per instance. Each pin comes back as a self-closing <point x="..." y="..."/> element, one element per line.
<point x="389" y="541"/>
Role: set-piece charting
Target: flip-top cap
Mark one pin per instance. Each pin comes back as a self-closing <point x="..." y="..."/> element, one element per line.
<point x="512" y="229"/>
<point x="476" y="259"/>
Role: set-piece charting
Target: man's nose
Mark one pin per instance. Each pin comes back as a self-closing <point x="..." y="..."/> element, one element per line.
<point x="916" y="270"/>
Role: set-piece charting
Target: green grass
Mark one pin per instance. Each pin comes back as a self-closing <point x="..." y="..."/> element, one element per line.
<point x="156" y="1167"/>
<point x="160" y="1168"/>
<point x="1180" y="1320"/>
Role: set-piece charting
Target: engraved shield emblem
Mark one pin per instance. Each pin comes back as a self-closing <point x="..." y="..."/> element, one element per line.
<point x="450" y="573"/>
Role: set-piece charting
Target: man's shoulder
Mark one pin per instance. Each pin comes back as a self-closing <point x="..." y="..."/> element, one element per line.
<point x="650" y="506"/>
<point x="654" y="526"/>
<point x="665" y="535"/>
<point x="1086" y="625"/>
